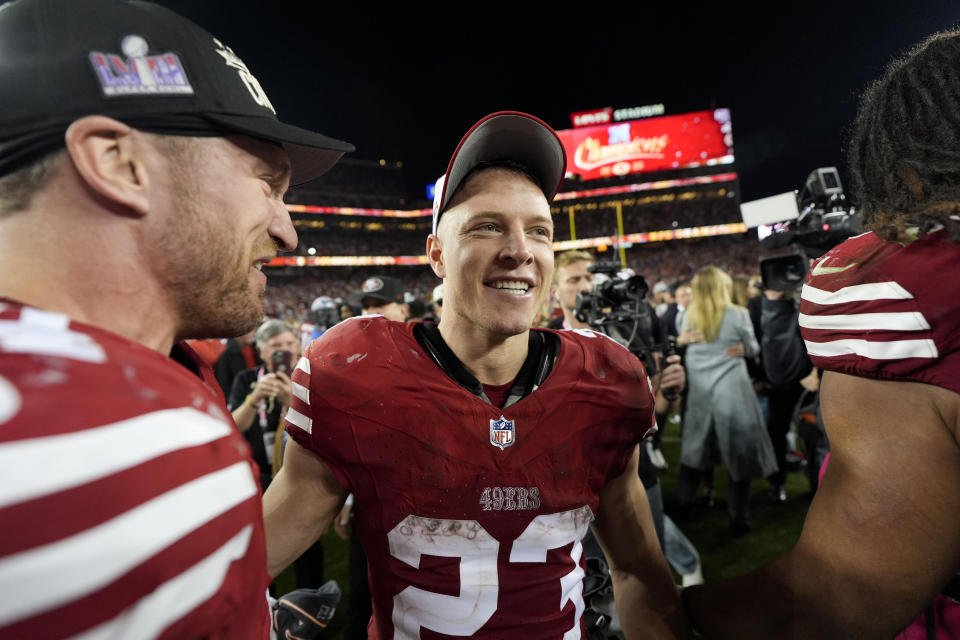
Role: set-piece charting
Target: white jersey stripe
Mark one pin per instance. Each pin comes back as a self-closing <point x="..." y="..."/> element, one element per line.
<point x="302" y="421"/>
<point x="856" y="293"/>
<point x="45" y="320"/>
<point x="301" y="392"/>
<point x="176" y="597"/>
<point x="92" y="454"/>
<point x="304" y="365"/>
<point x="893" y="350"/>
<point x="16" y="336"/>
<point x="51" y="575"/>
<point x="904" y="321"/>
<point x="10" y="400"/>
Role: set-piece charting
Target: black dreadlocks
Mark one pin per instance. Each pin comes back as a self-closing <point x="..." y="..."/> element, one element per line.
<point x="904" y="150"/>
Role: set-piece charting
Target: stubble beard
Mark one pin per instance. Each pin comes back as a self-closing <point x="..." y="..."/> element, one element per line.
<point x="206" y="274"/>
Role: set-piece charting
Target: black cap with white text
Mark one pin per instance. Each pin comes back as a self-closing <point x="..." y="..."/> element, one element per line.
<point x="137" y="62"/>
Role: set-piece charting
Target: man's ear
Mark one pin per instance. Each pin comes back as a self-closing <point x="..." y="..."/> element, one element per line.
<point x="109" y="157"/>
<point x="435" y="255"/>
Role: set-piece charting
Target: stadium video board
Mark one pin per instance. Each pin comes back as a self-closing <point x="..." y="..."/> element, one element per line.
<point x="652" y="144"/>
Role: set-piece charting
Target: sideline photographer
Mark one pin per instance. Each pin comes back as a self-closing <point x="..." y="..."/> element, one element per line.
<point x="260" y="395"/>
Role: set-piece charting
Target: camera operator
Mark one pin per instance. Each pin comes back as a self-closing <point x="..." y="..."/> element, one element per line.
<point x="790" y="371"/>
<point x="584" y="289"/>
<point x="260" y="395"/>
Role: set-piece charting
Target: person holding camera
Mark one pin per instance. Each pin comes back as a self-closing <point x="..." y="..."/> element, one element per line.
<point x="260" y="395"/>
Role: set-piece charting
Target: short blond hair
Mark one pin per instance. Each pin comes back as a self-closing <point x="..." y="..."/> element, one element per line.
<point x="569" y="257"/>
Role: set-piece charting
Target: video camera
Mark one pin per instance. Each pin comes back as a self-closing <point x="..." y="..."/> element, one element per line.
<point x="811" y="222"/>
<point x="616" y="307"/>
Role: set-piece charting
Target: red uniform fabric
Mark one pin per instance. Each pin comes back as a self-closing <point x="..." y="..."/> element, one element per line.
<point x="884" y="310"/>
<point x="129" y="505"/>
<point x="471" y="527"/>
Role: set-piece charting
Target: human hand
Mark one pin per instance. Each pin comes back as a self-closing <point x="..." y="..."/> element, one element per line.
<point x="284" y="392"/>
<point x="689" y="336"/>
<point x="773" y="295"/>
<point x="270" y="385"/>
<point x="673" y="378"/>
<point x="736" y="351"/>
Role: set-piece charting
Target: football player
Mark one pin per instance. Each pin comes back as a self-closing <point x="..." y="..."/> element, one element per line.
<point x="479" y="451"/>
<point x="142" y="170"/>
<point x="879" y="315"/>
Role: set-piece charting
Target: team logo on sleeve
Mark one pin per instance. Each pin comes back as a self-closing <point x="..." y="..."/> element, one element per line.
<point x="502" y="433"/>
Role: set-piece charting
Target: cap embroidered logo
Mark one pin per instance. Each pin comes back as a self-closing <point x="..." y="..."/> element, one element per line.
<point x="372" y="285"/>
<point x="249" y="80"/>
<point x="139" y="74"/>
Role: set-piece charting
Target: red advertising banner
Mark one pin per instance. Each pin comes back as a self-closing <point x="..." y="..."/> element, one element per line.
<point x="654" y="144"/>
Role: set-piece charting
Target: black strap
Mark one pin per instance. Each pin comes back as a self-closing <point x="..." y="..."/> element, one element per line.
<point x="929" y="618"/>
<point x="952" y="590"/>
<point x="542" y="349"/>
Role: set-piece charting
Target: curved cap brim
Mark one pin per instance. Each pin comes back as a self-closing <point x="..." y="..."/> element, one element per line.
<point x="505" y="135"/>
<point x="311" y="154"/>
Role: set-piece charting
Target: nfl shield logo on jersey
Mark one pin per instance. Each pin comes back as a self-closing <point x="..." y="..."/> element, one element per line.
<point x="501" y="433"/>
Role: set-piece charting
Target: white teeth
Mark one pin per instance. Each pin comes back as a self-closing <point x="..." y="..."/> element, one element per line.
<point x="258" y="266"/>
<point x="513" y="286"/>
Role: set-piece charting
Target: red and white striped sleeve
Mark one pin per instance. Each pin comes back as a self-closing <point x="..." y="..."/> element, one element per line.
<point x="882" y="310"/>
<point x="128" y="503"/>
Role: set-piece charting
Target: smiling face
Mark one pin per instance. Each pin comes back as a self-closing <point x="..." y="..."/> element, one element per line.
<point x="493" y="249"/>
<point x="223" y="219"/>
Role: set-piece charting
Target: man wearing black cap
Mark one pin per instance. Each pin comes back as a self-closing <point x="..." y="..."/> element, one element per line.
<point x="480" y="451"/>
<point x="142" y="170"/>
<point x="383" y="295"/>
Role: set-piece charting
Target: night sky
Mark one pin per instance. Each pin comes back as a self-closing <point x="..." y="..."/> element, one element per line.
<point x="404" y="81"/>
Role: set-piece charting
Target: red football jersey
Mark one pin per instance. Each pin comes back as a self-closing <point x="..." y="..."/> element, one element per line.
<point x="129" y="506"/>
<point x="471" y="515"/>
<point x="884" y="310"/>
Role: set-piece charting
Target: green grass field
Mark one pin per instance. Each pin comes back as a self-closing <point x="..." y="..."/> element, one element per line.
<point x="775" y="528"/>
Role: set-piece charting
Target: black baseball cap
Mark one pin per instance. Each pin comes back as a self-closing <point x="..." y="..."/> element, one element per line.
<point x="382" y="288"/>
<point x="504" y="135"/>
<point x="137" y="62"/>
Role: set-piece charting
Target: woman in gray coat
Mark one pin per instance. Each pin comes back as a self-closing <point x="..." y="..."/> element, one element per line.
<point x="722" y="412"/>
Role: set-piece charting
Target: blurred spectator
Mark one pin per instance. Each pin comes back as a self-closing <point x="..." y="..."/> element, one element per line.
<point x="209" y="349"/>
<point x="438" y="301"/>
<point x="259" y="396"/>
<point x="682" y="297"/>
<point x="238" y="354"/>
<point x="570" y="278"/>
<point x="383" y="295"/>
<point x="722" y="412"/>
<point x="662" y="298"/>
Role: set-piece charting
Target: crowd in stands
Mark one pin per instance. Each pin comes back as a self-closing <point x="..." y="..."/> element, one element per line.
<point x="361" y="235"/>
<point x="390" y="240"/>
